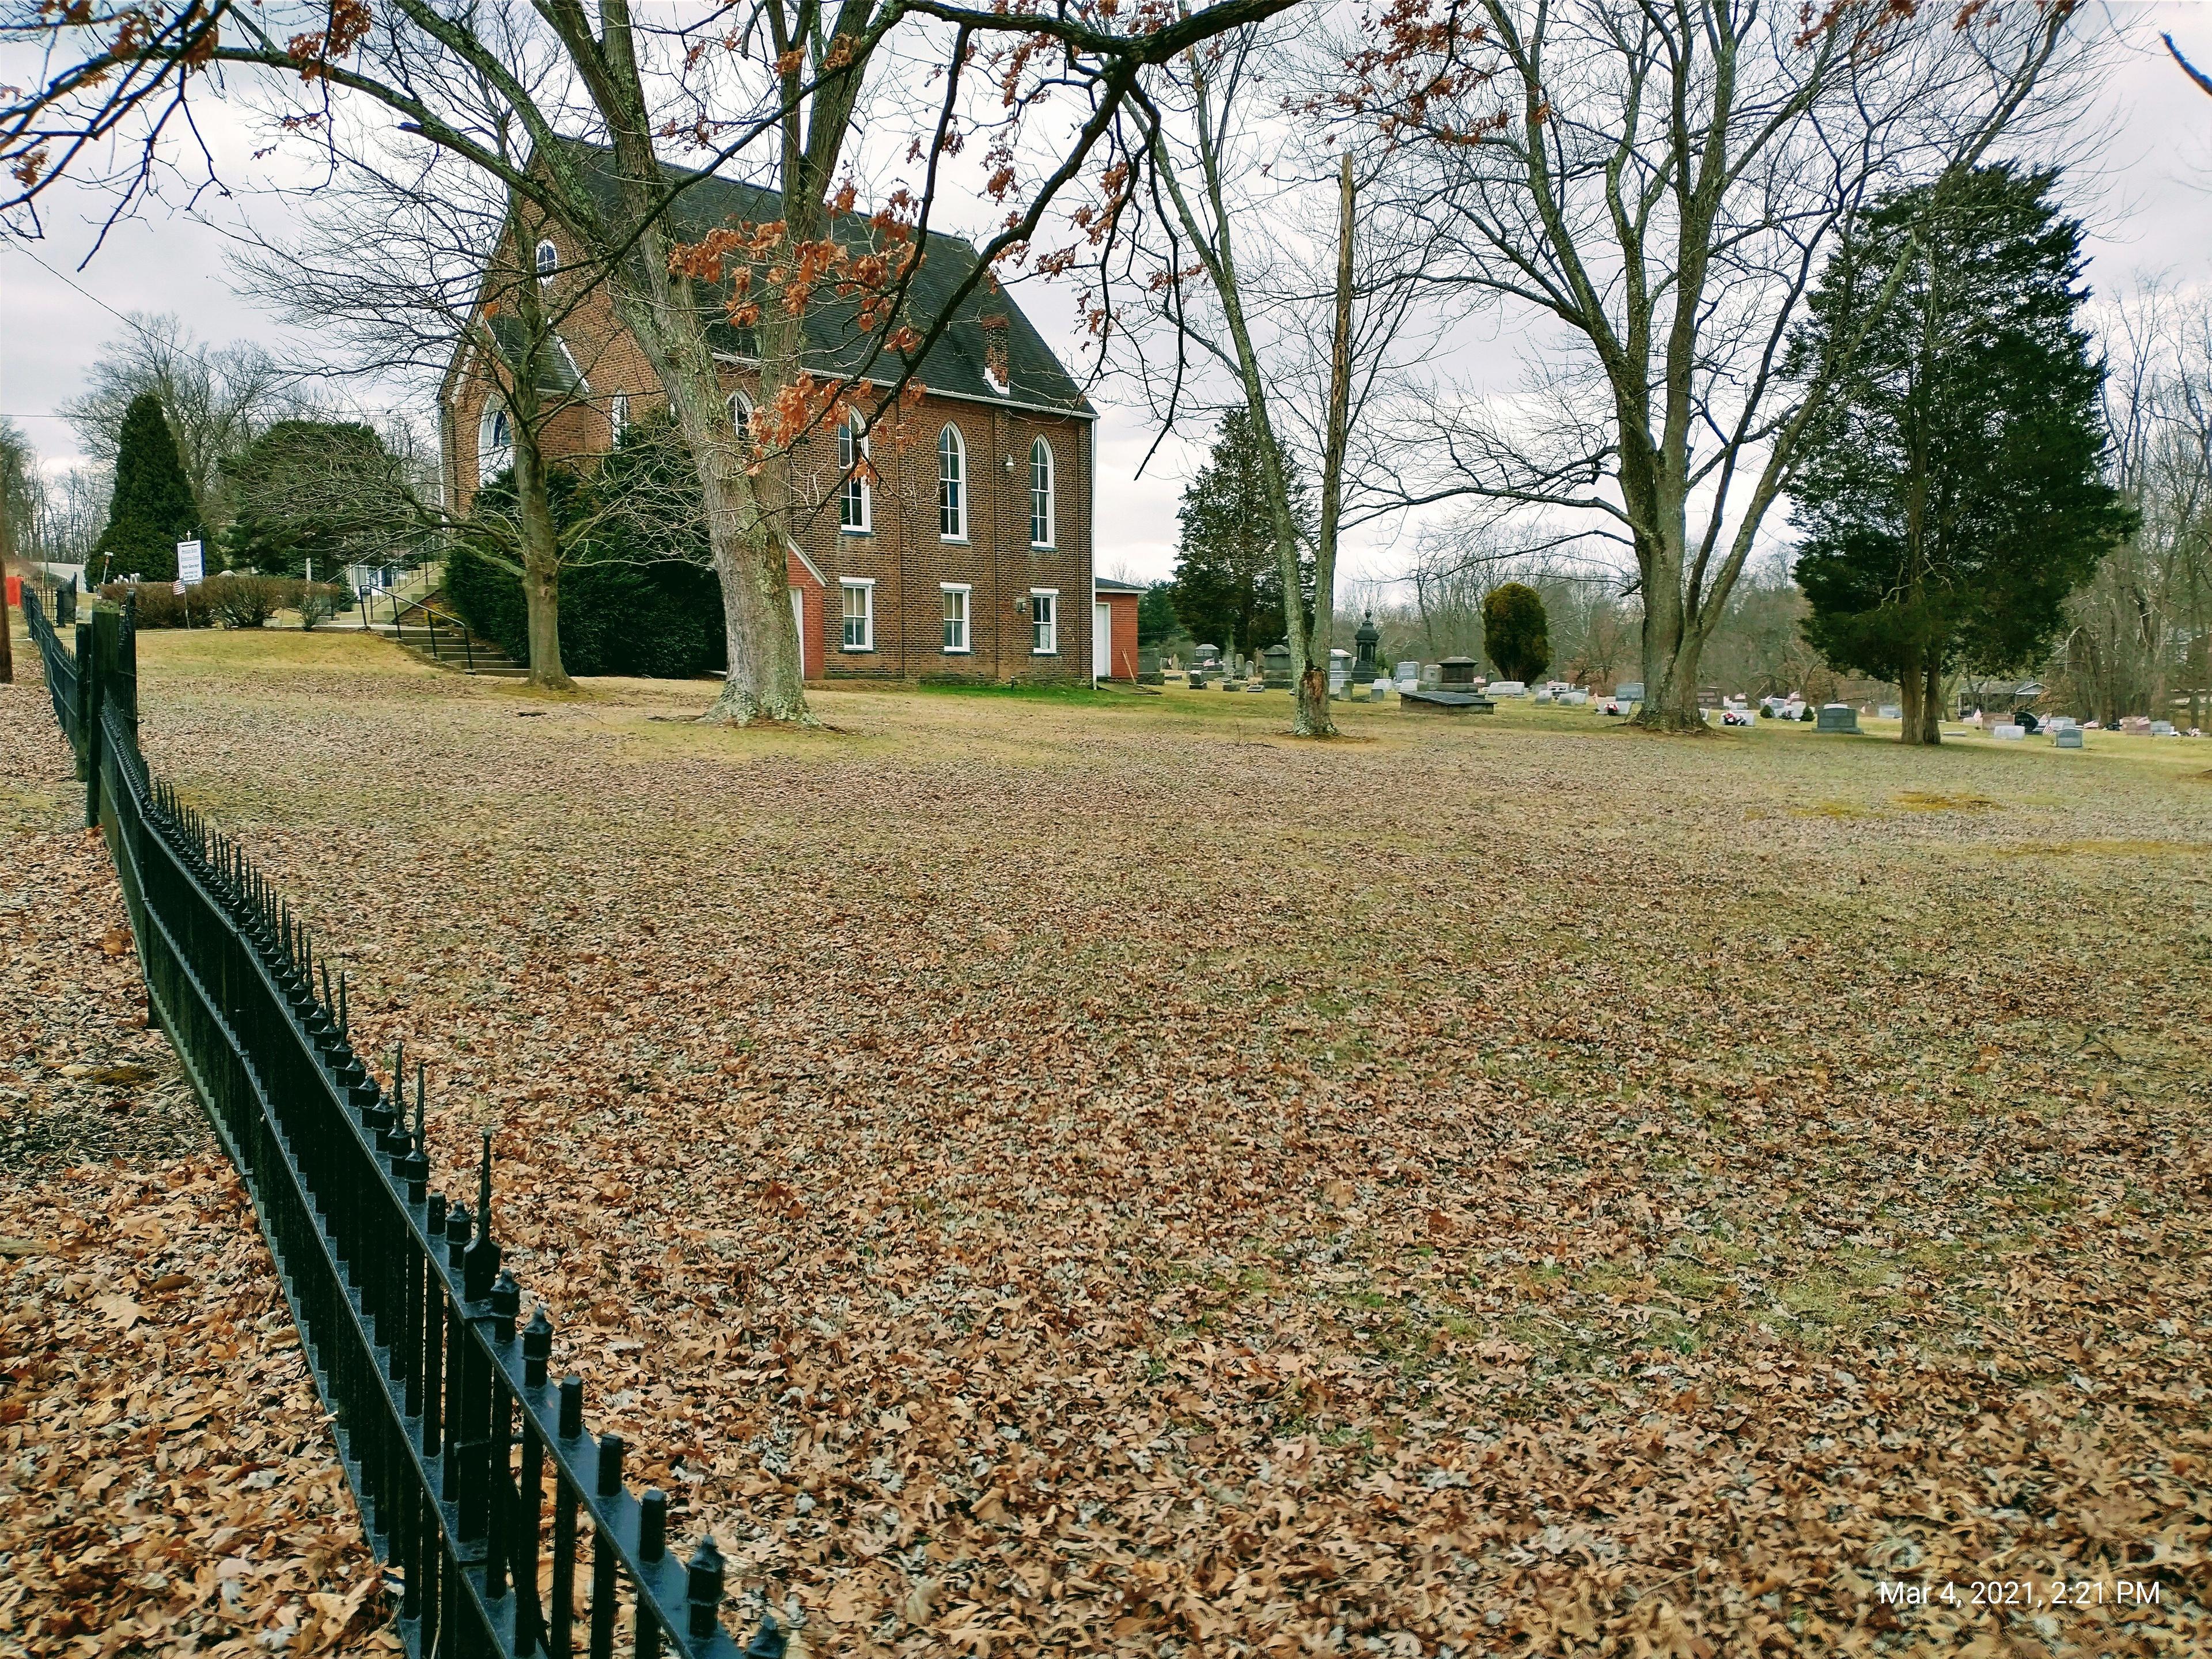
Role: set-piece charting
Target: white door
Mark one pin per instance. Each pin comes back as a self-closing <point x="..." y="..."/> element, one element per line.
<point x="1101" y="641"/>
<point x="799" y="626"/>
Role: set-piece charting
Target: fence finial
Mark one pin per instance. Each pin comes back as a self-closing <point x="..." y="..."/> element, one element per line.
<point x="702" y="1589"/>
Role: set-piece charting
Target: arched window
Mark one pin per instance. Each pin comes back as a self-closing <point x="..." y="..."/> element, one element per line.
<point x="495" y="441"/>
<point x="1041" y="494"/>
<point x="852" y="492"/>
<point x="549" y="261"/>
<point x="951" y="485"/>
<point x="619" y="414"/>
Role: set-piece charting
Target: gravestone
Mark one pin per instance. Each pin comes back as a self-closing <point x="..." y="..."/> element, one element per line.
<point x="2060" y="722"/>
<point x="1838" y="717"/>
<point x="1194" y="676"/>
<point x="1208" y="655"/>
<point x="1275" y="668"/>
<point x="1424" y="701"/>
<point x="1378" y="691"/>
<point x="2068" y="737"/>
<point x="1508" y="688"/>
<point x="1336" y="681"/>
<point x="1432" y="676"/>
<point x="2135" y="726"/>
<point x="1456" y="673"/>
<point x="2161" y="728"/>
<point x="1542" y="693"/>
<point x="1574" y="699"/>
<point x="1889" y="711"/>
<point x="2008" y="732"/>
<point x="1632" y="692"/>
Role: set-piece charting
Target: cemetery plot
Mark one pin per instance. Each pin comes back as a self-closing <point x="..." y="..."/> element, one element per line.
<point x="1055" y="1176"/>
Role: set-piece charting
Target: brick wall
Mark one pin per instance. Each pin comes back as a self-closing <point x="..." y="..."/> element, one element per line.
<point x="904" y="554"/>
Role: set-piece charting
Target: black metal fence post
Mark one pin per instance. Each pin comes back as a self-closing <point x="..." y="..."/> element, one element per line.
<point x="445" y="1424"/>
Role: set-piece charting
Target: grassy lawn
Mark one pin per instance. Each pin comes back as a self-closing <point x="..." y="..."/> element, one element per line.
<point x="1040" y="1173"/>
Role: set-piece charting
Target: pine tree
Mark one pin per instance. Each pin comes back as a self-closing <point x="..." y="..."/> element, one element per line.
<point x="1228" y="584"/>
<point x="310" y="491"/>
<point x="153" y="508"/>
<point x="1951" y="496"/>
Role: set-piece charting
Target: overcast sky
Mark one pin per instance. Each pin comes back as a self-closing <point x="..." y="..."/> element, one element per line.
<point x="2147" y="199"/>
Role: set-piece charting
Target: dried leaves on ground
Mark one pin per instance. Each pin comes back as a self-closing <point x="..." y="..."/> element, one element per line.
<point x="1046" y="1175"/>
<point x="167" y="1483"/>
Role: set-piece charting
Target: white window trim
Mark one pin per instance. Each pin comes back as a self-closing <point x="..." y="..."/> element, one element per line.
<point x="865" y="584"/>
<point x="1051" y="496"/>
<point x="867" y="524"/>
<point x="1052" y="593"/>
<point x="957" y="538"/>
<point x="619" y="414"/>
<point x="967" y="619"/>
<point x="537" y="260"/>
<point x="493" y="456"/>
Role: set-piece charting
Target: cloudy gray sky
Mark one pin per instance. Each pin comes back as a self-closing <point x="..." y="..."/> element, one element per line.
<point x="2146" y="194"/>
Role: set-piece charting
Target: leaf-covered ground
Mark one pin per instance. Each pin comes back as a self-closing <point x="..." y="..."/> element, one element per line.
<point x="167" y="1482"/>
<point x="1041" y="1174"/>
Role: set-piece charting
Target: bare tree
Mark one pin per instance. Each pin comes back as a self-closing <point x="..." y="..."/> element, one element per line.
<point x="1654" y="187"/>
<point x="781" y="81"/>
<point x="1272" y="276"/>
<point x="410" y="261"/>
<point x="215" y="399"/>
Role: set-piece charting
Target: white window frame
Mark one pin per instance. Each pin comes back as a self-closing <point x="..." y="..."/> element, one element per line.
<point x="951" y="485"/>
<point x="1050" y="492"/>
<point x="966" y="648"/>
<point x="865" y="588"/>
<point x="855" y="500"/>
<point x="619" y="414"/>
<point x="545" y="259"/>
<point x="492" y="455"/>
<point x="1049" y="630"/>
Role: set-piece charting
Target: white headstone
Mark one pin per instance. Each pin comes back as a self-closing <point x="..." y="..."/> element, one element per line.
<point x="2009" y="733"/>
<point x="2068" y="737"/>
<point x="1379" y="691"/>
<point x="2161" y="728"/>
<point x="1890" y="711"/>
<point x="1508" y="688"/>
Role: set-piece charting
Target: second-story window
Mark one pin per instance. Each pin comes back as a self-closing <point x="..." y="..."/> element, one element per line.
<point x="951" y="485"/>
<point x="853" y="493"/>
<point x="1041" y="502"/>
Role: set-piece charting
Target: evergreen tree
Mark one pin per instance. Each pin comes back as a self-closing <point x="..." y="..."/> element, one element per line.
<point x="1156" y="614"/>
<point x="322" y="490"/>
<point x="1228" y="587"/>
<point x="153" y="508"/>
<point x="1950" y="495"/>
<point x="1516" y="635"/>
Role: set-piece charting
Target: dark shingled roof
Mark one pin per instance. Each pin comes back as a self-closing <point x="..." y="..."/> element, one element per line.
<point x="835" y="341"/>
<point x="556" y="374"/>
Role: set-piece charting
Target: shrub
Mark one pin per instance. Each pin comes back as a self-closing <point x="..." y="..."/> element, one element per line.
<point x="1515" y="633"/>
<point x="160" y="605"/>
<point x="317" y="601"/>
<point x="247" y="601"/>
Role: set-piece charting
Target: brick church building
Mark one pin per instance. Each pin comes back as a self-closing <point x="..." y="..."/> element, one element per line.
<point x="968" y="552"/>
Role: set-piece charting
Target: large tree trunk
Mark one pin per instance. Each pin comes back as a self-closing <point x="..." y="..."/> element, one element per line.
<point x="1931" y="702"/>
<point x="1312" y="719"/>
<point x="541" y="565"/>
<point x="1912" y="692"/>
<point x="1672" y="650"/>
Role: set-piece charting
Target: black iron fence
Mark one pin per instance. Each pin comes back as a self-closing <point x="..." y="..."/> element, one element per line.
<point x="449" y="1427"/>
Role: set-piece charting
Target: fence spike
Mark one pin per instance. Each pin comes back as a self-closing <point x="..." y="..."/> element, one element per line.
<point x="330" y="1002"/>
<point x="345" y="1028"/>
<point x="421" y="1108"/>
<point x="484" y="1190"/>
<point x="536" y="1348"/>
<point x="703" y="1589"/>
